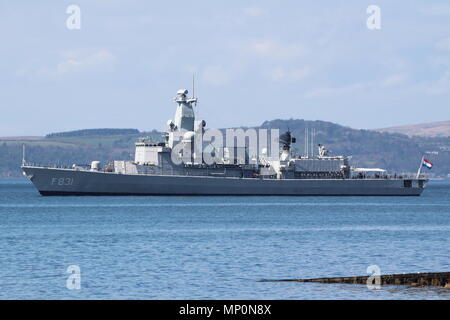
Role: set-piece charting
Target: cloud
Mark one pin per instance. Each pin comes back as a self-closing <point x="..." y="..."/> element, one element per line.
<point x="443" y="45"/>
<point x="436" y="9"/>
<point x="394" y="80"/>
<point x="72" y="62"/>
<point x="216" y="75"/>
<point x="253" y="11"/>
<point x="290" y="74"/>
<point x="440" y="61"/>
<point x="441" y="86"/>
<point x="275" y="50"/>
<point x="76" y="61"/>
<point x="327" y="92"/>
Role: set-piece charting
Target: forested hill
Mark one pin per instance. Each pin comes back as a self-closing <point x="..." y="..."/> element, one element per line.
<point x="93" y="132"/>
<point x="395" y="152"/>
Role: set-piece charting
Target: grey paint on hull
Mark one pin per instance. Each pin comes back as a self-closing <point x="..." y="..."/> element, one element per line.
<point x="55" y="181"/>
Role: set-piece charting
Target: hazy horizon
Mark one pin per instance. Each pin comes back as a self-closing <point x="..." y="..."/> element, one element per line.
<point x="253" y="61"/>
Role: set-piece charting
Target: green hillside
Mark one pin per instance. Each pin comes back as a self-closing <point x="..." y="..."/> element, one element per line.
<point x="94" y="132"/>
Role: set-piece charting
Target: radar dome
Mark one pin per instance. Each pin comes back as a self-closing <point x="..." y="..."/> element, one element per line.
<point x="188" y="136"/>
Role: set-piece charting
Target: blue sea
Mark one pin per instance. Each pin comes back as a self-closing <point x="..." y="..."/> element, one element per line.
<point x="217" y="247"/>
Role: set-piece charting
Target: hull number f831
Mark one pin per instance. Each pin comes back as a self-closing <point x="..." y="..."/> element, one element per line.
<point x="62" y="181"/>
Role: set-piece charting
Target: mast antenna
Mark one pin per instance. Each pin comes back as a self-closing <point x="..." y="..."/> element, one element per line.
<point x="193" y="88"/>
<point x="306" y="142"/>
<point x="420" y="167"/>
<point x="23" y="155"/>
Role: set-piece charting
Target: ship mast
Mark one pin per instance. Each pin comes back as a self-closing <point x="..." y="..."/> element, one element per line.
<point x="193" y="88"/>
<point x="23" y="155"/>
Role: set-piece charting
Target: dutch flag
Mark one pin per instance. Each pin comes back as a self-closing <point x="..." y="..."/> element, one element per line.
<point x="427" y="163"/>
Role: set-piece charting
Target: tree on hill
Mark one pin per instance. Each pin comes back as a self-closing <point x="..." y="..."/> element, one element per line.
<point x="93" y="132"/>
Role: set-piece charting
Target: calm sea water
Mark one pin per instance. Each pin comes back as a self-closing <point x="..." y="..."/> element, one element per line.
<point x="217" y="247"/>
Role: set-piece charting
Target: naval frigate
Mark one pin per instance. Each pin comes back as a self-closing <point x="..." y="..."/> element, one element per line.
<point x="176" y="167"/>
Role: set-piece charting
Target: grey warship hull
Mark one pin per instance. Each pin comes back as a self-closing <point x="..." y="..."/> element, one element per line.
<point x="58" y="182"/>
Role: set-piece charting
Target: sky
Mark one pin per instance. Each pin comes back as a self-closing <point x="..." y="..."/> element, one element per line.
<point x="253" y="61"/>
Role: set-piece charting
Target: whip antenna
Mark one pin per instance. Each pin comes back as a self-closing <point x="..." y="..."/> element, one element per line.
<point x="193" y="87"/>
<point x="24" y="162"/>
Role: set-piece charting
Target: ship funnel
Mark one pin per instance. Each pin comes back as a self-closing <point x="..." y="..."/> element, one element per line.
<point x="286" y="139"/>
